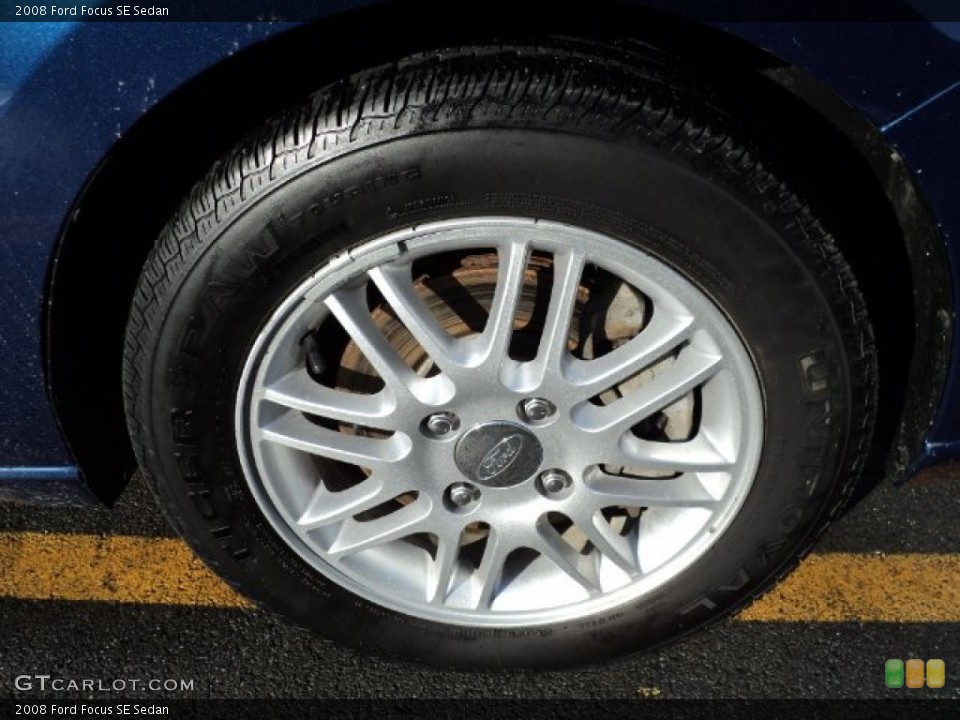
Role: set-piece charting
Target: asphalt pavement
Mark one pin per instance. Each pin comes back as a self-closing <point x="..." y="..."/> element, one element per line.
<point x="225" y="650"/>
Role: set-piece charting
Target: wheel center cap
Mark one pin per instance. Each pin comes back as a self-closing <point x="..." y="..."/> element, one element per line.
<point x="499" y="454"/>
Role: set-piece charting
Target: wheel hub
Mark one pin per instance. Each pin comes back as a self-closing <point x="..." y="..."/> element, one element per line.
<point x="499" y="454"/>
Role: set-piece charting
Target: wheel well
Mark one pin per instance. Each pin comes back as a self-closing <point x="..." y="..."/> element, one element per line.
<point x="884" y="230"/>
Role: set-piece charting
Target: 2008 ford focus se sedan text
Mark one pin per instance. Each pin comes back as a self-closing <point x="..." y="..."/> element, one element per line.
<point x="482" y="341"/>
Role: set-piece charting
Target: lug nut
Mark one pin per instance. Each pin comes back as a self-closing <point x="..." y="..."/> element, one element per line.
<point x="554" y="482"/>
<point x="441" y="423"/>
<point x="462" y="494"/>
<point x="537" y="409"/>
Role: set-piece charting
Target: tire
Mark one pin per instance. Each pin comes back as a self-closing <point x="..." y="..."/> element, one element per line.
<point x="592" y="153"/>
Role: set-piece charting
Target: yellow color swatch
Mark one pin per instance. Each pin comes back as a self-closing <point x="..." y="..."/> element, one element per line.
<point x="936" y="674"/>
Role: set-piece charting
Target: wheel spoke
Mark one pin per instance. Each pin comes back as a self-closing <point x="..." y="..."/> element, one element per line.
<point x="487" y="576"/>
<point x="614" y="490"/>
<point x="492" y="345"/>
<point x="326" y="507"/>
<point x="662" y="532"/>
<point x="349" y="306"/>
<point x="607" y="541"/>
<point x="664" y="333"/>
<point x="580" y="568"/>
<point x="443" y="567"/>
<point x="691" y="369"/>
<point x="396" y="285"/>
<point x="356" y="536"/>
<point x="298" y="391"/>
<point x="695" y="455"/>
<point x="567" y="269"/>
<point x="294" y="430"/>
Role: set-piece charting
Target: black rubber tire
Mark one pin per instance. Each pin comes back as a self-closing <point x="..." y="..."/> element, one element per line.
<point x="588" y="139"/>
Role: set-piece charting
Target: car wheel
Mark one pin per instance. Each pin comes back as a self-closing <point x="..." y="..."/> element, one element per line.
<point x="500" y="357"/>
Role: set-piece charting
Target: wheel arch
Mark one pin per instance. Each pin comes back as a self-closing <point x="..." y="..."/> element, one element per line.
<point x="127" y="199"/>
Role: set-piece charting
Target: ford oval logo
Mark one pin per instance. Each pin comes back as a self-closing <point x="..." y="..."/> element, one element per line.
<point x="500" y="457"/>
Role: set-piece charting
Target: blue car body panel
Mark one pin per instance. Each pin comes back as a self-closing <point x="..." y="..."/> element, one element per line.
<point x="937" y="172"/>
<point x="88" y="83"/>
<point x="68" y="91"/>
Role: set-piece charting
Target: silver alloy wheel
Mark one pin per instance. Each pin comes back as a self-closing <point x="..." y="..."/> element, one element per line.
<point x="516" y="513"/>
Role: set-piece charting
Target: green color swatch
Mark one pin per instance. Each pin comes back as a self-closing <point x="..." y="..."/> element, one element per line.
<point x="893" y="673"/>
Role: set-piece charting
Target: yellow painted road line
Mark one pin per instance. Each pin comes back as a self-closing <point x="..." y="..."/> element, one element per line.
<point x="116" y="568"/>
<point x="833" y="587"/>
<point x="838" y="587"/>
